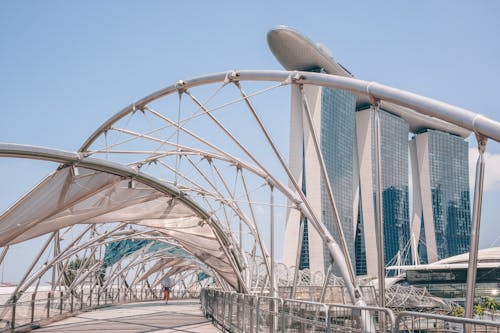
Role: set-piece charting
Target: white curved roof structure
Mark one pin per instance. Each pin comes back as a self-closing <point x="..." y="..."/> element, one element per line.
<point x="488" y="255"/>
<point x="99" y="192"/>
<point x="487" y="258"/>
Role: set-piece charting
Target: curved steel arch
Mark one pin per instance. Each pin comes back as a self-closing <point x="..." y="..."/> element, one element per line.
<point x="455" y="115"/>
<point x="94" y="243"/>
<point x="481" y="125"/>
<point x="77" y="159"/>
<point x="460" y="117"/>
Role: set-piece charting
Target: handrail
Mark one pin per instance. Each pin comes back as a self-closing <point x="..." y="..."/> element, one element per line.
<point x="390" y="322"/>
<point x="33" y="311"/>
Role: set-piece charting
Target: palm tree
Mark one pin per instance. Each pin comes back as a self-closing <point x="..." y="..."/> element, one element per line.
<point x="478" y="310"/>
<point x="490" y="304"/>
<point x="77" y="264"/>
<point x="457" y="311"/>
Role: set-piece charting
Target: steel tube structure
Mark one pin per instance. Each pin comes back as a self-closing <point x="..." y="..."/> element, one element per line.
<point x="297" y="258"/>
<point x="455" y="115"/>
<point x="476" y="223"/>
<point x="273" y="281"/>
<point x="68" y="158"/>
<point x="374" y="91"/>
<point x="378" y="207"/>
<point x="482" y="126"/>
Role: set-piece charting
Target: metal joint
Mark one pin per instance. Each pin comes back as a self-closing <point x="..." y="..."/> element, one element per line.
<point x="208" y="158"/>
<point x="369" y="89"/>
<point x="180" y="86"/>
<point x="237" y="165"/>
<point x="299" y="204"/>
<point x="269" y="182"/>
<point x="295" y="77"/>
<point x="75" y="172"/>
<point x="374" y="101"/>
<point x="231" y="76"/>
<point x="481" y="143"/>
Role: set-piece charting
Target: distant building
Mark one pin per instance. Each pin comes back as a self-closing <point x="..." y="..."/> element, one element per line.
<point x="447" y="278"/>
<point x="333" y="114"/>
<point x="395" y="208"/>
<point x="441" y="221"/>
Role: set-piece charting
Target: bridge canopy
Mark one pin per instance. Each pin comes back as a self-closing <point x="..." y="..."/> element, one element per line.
<point x="79" y="195"/>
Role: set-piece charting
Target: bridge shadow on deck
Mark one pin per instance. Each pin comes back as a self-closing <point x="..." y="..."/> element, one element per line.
<point x="158" y="317"/>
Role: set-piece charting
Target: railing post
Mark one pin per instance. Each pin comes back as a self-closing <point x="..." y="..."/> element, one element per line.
<point x="61" y="302"/>
<point x="230" y="312"/>
<point x="224" y="309"/>
<point x="257" y="314"/>
<point x="302" y="327"/>
<point x="13" y="319"/>
<point x="252" y="316"/>
<point x="49" y="295"/>
<point x="238" y="312"/>
<point x="90" y="298"/>
<point x="33" y="297"/>
<point x="243" y="317"/>
<point x="328" y="328"/>
<point x="282" y="317"/>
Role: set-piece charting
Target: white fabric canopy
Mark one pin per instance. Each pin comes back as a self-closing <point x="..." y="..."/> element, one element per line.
<point x="63" y="199"/>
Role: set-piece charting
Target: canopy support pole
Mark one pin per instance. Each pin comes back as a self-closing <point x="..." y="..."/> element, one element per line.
<point x="378" y="205"/>
<point x="476" y="223"/>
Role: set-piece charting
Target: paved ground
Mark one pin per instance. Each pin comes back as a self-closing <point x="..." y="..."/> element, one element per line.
<point x="157" y="317"/>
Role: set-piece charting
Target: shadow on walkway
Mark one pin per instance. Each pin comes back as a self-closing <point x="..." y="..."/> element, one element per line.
<point x="158" y="317"/>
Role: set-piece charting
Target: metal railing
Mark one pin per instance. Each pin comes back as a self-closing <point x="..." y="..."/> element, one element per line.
<point x="254" y="314"/>
<point x="235" y="312"/>
<point x="351" y="318"/>
<point x="37" y="308"/>
<point x="426" y="322"/>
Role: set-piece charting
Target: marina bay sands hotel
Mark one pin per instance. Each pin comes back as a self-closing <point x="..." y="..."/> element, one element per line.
<point x="433" y="151"/>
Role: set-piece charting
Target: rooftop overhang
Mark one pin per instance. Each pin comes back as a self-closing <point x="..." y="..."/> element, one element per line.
<point x="487" y="259"/>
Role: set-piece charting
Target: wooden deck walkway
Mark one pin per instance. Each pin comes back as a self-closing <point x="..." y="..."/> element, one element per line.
<point x="157" y="317"/>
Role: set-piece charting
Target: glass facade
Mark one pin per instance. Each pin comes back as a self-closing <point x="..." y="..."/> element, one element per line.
<point x="359" y="246"/>
<point x="449" y="181"/>
<point x="395" y="208"/>
<point x="451" y="283"/>
<point x="448" y="158"/>
<point x="337" y="146"/>
<point x="304" y="250"/>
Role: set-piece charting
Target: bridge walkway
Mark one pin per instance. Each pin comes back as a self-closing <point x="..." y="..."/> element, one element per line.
<point x="158" y="317"/>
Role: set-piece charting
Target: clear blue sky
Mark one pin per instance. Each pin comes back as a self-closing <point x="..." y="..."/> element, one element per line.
<point x="66" y="66"/>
